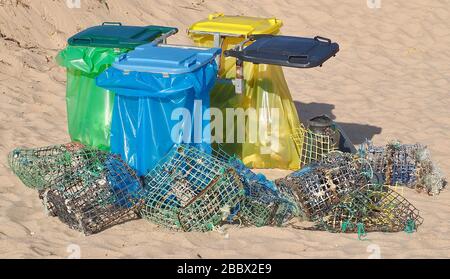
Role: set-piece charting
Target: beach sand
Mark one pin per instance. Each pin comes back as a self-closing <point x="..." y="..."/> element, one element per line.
<point x="389" y="81"/>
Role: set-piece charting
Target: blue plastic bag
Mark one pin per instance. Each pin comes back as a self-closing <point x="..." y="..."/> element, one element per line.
<point x="154" y="111"/>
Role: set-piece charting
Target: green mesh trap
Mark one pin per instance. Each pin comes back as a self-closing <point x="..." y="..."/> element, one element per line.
<point x="190" y="190"/>
<point x="100" y="192"/>
<point x="263" y="204"/>
<point x="38" y="167"/>
<point x="405" y="164"/>
<point x="319" y="186"/>
<point x="312" y="146"/>
<point x="373" y="208"/>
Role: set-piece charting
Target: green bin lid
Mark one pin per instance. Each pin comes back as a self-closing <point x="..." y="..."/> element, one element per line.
<point x="116" y="35"/>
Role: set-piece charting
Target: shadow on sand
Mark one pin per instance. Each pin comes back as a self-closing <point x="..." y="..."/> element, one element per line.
<point x="357" y="133"/>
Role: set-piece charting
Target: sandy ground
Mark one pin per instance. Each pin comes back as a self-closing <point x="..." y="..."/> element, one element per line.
<point x="389" y="81"/>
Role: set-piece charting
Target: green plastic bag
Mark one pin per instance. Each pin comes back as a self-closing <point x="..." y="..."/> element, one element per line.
<point x="89" y="107"/>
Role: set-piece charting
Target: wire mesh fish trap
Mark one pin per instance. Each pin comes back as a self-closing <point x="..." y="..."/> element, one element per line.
<point x="293" y="207"/>
<point x="101" y="192"/>
<point x="320" y="186"/>
<point x="372" y="208"/>
<point x="311" y="146"/>
<point x="263" y="204"/>
<point x="190" y="190"/>
<point x="405" y="164"/>
<point x="38" y="167"/>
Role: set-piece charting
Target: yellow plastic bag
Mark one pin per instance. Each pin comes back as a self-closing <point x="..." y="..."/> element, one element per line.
<point x="265" y="90"/>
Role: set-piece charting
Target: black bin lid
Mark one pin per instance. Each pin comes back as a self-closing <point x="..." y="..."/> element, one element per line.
<point x="287" y="51"/>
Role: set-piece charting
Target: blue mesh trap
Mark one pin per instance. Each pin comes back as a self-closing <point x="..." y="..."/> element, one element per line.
<point x="405" y="164"/>
<point x="263" y="203"/>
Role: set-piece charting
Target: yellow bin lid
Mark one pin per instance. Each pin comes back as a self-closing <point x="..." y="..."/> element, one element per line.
<point x="237" y="25"/>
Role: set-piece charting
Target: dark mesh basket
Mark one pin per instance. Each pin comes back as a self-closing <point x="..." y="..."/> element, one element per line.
<point x="320" y="186"/>
<point x="99" y="193"/>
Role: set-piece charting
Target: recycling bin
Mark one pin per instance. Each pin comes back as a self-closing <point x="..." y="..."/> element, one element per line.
<point x="88" y="54"/>
<point x="161" y="99"/>
<point x="295" y="52"/>
<point x="266" y="94"/>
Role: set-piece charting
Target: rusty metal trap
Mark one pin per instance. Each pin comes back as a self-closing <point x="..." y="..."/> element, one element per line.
<point x="190" y="190"/>
<point x="405" y="164"/>
<point x="37" y="168"/>
<point x="371" y="208"/>
<point x="319" y="186"/>
<point x="100" y="192"/>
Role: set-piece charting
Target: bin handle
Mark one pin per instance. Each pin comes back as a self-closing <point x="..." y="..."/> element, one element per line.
<point x="112" y="23"/>
<point x="259" y="36"/>
<point x="320" y="38"/>
<point x="89" y="40"/>
<point x="291" y="57"/>
<point x="230" y="52"/>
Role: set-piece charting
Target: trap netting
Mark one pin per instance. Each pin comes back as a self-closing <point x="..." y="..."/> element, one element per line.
<point x="371" y="208"/>
<point x="100" y="192"/>
<point x="405" y="164"/>
<point x="190" y="190"/>
<point x="319" y="186"/>
<point x="38" y="167"/>
<point x="263" y="204"/>
<point x="311" y="146"/>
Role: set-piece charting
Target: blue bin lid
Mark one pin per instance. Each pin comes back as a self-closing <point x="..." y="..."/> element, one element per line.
<point x="116" y="35"/>
<point x="166" y="59"/>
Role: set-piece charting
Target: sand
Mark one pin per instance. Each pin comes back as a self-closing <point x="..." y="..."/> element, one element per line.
<point x="389" y="81"/>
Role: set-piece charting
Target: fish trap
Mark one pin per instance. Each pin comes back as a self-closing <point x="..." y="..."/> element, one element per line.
<point x="190" y="190"/>
<point x="318" y="187"/>
<point x="292" y="207"/>
<point x="311" y="146"/>
<point x="405" y="164"/>
<point x="37" y="168"/>
<point x="263" y="204"/>
<point x="101" y="192"/>
<point x="372" y="208"/>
